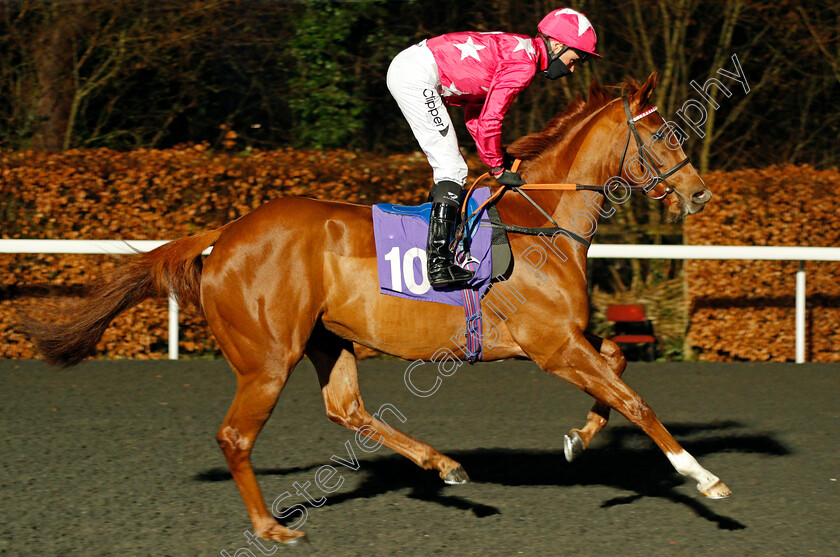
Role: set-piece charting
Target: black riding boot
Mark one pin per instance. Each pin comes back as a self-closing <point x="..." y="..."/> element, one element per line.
<point x="441" y="269"/>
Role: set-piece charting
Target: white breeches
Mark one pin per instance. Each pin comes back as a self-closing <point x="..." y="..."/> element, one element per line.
<point x="415" y="84"/>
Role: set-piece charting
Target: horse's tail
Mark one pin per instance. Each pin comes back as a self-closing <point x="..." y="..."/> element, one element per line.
<point x="70" y="334"/>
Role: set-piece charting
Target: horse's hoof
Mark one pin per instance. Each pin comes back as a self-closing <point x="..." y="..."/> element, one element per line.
<point x="281" y="534"/>
<point x="302" y="540"/>
<point x="572" y="446"/>
<point x="717" y="490"/>
<point x="457" y="476"/>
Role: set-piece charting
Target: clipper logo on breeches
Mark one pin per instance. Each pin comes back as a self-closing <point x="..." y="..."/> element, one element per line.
<point x="433" y="111"/>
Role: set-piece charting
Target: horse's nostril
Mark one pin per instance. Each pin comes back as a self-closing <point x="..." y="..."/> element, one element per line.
<point x="702" y="196"/>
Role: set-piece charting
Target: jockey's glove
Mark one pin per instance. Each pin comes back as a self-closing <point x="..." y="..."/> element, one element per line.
<point x="506" y="177"/>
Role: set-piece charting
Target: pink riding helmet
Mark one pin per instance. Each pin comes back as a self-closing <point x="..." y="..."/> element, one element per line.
<point x="570" y="28"/>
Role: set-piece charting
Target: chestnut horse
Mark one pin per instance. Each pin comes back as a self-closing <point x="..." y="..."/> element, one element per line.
<point x="298" y="277"/>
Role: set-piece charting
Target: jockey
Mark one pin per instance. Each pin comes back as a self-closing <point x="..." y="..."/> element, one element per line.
<point x="483" y="72"/>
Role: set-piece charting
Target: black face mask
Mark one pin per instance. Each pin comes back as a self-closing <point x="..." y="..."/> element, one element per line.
<point x="556" y="68"/>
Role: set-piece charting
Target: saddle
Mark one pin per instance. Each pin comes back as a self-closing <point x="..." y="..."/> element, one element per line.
<point x="502" y="257"/>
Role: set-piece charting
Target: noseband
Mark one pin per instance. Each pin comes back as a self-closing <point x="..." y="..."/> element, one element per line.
<point x="645" y="158"/>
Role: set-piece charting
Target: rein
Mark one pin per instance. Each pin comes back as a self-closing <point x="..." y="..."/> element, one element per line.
<point x="646" y="160"/>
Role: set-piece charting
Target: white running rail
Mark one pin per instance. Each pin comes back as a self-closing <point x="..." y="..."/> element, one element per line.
<point x="606" y="251"/>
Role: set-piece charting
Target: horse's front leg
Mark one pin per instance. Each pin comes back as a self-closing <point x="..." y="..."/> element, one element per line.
<point x="578" y="439"/>
<point x="578" y="362"/>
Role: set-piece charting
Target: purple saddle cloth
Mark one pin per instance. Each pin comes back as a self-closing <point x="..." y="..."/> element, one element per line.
<point x="401" y="233"/>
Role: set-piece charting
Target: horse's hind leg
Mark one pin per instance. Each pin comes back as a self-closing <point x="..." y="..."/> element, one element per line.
<point x="262" y="365"/>
<point x="580" y="364"/>
<point x="256" y="394"/>
<point x="578" y="439"/>
<point x="335" y="363"/>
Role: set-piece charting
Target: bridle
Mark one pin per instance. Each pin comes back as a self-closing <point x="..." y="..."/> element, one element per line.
<point x="645" y="158"/>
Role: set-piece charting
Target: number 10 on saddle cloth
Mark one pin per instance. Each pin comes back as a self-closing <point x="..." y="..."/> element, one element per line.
<point x="400" y="233"/>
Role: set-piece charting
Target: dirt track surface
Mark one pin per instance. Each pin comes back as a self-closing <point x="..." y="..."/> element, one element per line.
<point x="119" y="458"/>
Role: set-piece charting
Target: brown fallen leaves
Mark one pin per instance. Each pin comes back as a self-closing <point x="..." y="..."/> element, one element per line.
<point x="744" y="310"/>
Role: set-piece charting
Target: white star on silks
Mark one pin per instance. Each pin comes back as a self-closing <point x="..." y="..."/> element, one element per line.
<point x="452" y="90"/>
<point x="469" y="49"/>
<point x="527" y="45"/>
<point x="583" y="23"/>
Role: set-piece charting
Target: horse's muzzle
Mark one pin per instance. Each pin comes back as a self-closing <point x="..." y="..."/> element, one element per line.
<point x="695" y="202"/>
<point x="702" y="196"/>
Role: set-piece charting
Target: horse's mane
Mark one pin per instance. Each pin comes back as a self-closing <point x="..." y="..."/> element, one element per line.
<point x="530" y="146"/>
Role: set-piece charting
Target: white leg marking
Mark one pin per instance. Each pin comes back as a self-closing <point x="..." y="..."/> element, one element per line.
<point x="685" y="464"/>
<point x="235" y="439"/>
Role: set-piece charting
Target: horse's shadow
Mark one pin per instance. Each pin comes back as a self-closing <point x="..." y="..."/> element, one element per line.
<point x="622" y="458"/>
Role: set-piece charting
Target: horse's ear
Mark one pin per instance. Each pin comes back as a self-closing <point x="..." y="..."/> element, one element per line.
<point x="642" y="96"/>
